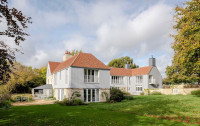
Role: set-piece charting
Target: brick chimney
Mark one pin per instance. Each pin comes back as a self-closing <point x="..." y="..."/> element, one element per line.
<point x="67" y="55"/>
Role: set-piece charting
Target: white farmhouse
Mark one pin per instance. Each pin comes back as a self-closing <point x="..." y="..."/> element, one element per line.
<point x="88" y="76"/>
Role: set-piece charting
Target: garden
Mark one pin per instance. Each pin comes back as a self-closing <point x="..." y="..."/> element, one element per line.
<point x="141" y="110"/>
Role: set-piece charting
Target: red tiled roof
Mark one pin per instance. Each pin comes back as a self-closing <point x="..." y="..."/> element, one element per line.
<point x="120" y="71"/>
<point x="130" y="72"/>
<point x="88" y="60"/>
<point x="81" y="60"/>
<point x="141" y="71"/>
<point x="53" y="65"/>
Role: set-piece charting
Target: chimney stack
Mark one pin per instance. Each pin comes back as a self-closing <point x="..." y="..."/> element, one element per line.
<point x="127" y="65"/>
<point x="152" y="61"/>
<point x="67" y="55"/>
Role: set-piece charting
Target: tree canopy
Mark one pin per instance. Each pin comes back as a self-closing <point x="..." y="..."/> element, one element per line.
<point x="23" y="78"/>
<point x="74" y="52"/>
<point x="15" y="24"/>
<point x="120" y="62"/>
<point x="186" y="61"/>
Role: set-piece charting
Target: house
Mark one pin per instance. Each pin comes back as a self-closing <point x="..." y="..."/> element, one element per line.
<point x="91" y="79"/>
<point x="83" y="74"/>
<point x="134" y="81"/>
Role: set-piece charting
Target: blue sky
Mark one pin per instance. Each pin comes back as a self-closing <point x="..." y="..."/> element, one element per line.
<point x="106" y="28"/>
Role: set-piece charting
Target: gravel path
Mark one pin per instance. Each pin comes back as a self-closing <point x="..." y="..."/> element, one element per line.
<point x="36" y="102"/>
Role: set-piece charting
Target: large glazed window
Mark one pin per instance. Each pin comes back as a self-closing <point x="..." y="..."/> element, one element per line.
<point x="91" y="95"/>
<point x="91" y="76"/>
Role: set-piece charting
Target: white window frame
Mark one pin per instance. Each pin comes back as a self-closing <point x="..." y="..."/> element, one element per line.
<point x="139" y="88"/>
<point x="60" y="75"/>
<point x="66" y="76"/>
<point x="117" y="80"/>
<point x="91" y="76"/>
<point x="139" y="79"/>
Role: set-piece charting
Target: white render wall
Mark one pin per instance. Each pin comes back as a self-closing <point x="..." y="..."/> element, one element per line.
<point x="77" y="79"/>
<point x="62" y="82"/>
<point x="156" y="75"/>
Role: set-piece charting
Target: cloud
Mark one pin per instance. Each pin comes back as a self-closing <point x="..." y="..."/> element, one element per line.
<point x="104" y="28"/>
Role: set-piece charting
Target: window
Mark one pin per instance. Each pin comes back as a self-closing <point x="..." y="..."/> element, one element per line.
<point x="91" y="76"/>
<point x="66" y="76"/>
<point x="139" y="79"/>
<point x="91" y="95"/>
<point x="138" y="88"/>
<point x="117" y="79"/>
<point x="55" y="78"/>
<point x="151" y="80"/>
<point x="60" y="75"/>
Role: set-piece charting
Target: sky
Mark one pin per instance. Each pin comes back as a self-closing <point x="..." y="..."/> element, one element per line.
<point x="106" y="28"/>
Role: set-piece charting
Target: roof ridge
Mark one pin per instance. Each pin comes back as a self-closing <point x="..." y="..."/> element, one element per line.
<point x="75" y="59"/>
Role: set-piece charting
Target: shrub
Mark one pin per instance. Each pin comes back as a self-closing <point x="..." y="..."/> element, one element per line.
<point x="128" y="97"/>
<point x="116" y="95"/>
<point x="197" y="92"/>
<point x="156" y="93"/>
<point x="142" y="93"/>
<point x="5" y="104"/>
<point x="70" y="102"/>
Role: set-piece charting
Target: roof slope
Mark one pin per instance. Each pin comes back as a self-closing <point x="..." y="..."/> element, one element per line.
<point x="88" y="60"/>
<point x="53" y="65"/>
<point x="130" y="72"/>
<point x="141" y="70"/>
<point x="81" y="60"/>
<point x="120" y="71"/>
<point x="46" y="86"/>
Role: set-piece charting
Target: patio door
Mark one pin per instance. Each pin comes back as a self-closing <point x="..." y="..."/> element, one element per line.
<point x="60" y="94"/>
<point x="91" y="95"/>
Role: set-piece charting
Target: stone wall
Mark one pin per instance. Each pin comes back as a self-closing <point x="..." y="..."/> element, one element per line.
<point x="102" y="97"/>
<point x="173" y="90"/>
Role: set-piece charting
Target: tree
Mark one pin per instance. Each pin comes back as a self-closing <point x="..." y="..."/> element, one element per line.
<point x="186" y="61"/>
<point x="74" y="52"/>
<point x="120" y="62"/>
<point x="16" y="23"/>
<point x="23" y="78"/>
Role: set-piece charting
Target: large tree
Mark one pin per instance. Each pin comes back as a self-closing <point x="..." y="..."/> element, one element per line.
<point x="120" y="62"/>
<point x="186" y="61"/>
<point x="14" y="32"/>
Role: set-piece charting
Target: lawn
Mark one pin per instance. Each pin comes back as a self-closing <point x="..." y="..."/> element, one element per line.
<point x="143" y="110"/>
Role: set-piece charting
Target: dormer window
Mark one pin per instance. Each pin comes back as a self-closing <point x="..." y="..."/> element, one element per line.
<point x="91" y="76"/>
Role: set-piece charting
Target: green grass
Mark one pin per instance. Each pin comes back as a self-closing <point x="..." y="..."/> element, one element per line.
<point x="143" y="110"/>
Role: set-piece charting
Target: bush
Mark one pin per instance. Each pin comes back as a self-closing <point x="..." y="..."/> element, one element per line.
<point x="5" y="104"/>
<point x="128" y="97"/>
<point x="116" y="95"/>
<point x="197" y="92"/>
<point x="142" y="93"/>
<point x="71" y="102"/>
<point x="156" y="93"/>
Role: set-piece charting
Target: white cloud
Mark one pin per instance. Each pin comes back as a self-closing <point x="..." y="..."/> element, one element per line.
<point x="105" y="28"/>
